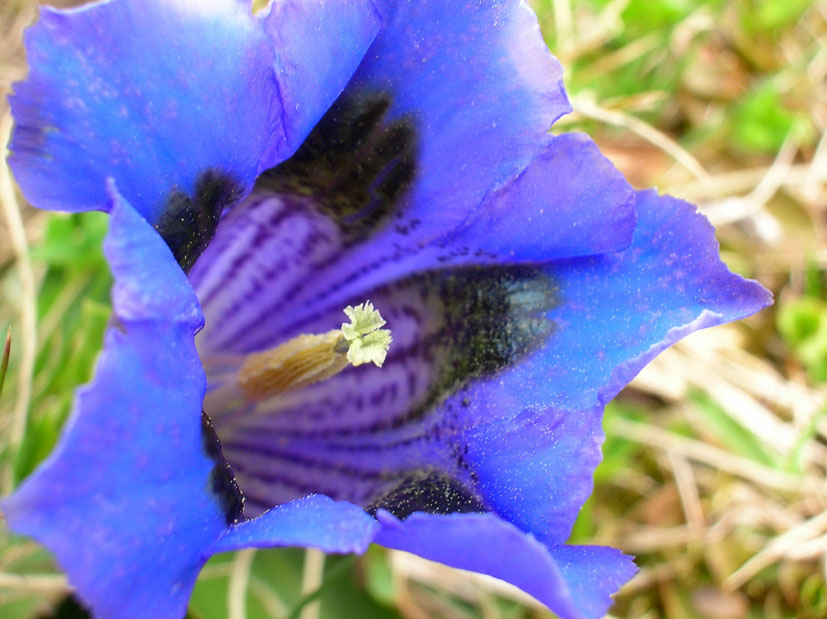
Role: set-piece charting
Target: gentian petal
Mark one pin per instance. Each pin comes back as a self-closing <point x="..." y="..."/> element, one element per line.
<point x="481" y="88"/>
<point x="570" y="201"/>
<point x="534" y="430"/>
<point x="574" y="582"/>
<point x="178" y="100"/>
<point x="534" y="465"/>
<point x="194" y="91"/>
<point x="621" y="310"/>
<point x="593" y="573"/>
<point x="319" y="44"/>
<point x="440" y="137"/>
<point x="315" y="521"/>
<point x="125" y="500"/>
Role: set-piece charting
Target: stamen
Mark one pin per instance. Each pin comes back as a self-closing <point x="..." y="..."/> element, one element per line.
<point x="312" y="358"/>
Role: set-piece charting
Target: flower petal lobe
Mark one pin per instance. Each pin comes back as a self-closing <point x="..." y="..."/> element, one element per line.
<point x="153" y="93"/>
<point x="534" y="431"/>
<point x="314" y="521"/>
<point x="319" y="44"/>
<point x="125" y="500"/>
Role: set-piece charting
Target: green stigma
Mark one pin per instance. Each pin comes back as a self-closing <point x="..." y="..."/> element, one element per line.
<point x="367" y="341"/>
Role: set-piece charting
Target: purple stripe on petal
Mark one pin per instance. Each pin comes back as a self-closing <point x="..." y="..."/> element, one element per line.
<point x="263" y="248"/>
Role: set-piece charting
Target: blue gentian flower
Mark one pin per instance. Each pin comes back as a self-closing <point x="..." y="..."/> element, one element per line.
<point x="263" y="172"/>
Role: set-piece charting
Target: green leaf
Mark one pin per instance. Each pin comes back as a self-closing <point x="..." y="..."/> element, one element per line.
<point x="379" y="580"/>
<point x="643" y="16"/>
<point x="770" y="15"/>
<point x="802" y="323"/>
<point x="73" y="240"/>
<point x="280" y="571"/>
<point x="73" y="311"/>
<point x="732" y="435"/>
<point x="762" y="121"/>
<point x="585" y="526"/>
<point x="796" y="460"/>
<point x="617" y="452"/>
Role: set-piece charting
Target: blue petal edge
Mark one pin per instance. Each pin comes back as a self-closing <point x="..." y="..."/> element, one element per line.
<point x="316" y="521"/>
<point x="574" y="581"/>
<point x="570" y="201"/>
<point x="534" y="431"/>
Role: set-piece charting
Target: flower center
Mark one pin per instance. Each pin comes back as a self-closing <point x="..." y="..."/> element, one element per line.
<point x="292" y="417"/>
<point x="311" y="358"/>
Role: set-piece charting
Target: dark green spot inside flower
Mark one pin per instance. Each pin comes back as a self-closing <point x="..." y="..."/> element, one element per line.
<point x="493" y="317"/>
<point x="222" y="479"/>
<point x="356" y="164"/>
<point x="427" y="492"/>
<point x="188" y="222"/>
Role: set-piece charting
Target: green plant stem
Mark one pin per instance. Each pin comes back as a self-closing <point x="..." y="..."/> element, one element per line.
<point x="332" y="575"/>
